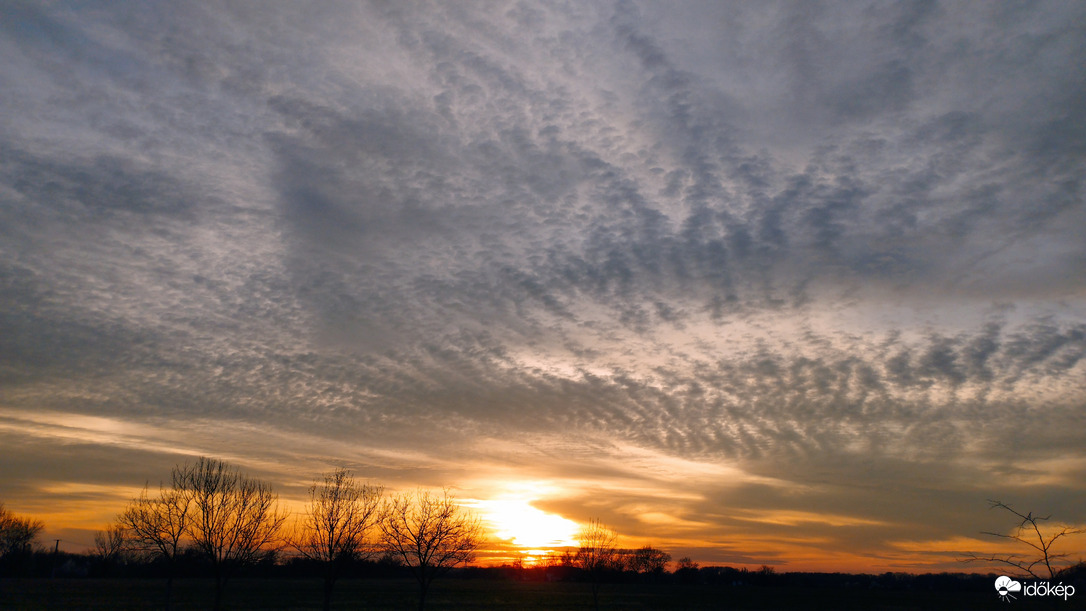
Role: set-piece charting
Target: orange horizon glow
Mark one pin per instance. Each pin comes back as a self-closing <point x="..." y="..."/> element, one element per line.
<point x="76" y="530"/>
<point x="519" y="533"/>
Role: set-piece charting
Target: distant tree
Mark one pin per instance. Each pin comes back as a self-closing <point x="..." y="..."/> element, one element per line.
<point x="1029" y="532"/>
<point x="567" y="558"/>
<point x="650" y="560"/>
<point x="111" y="545"/>
<point x="553" y="559"/>
<point x="686" y="570"/>
<point x="234" y="520"/>
<point x="157" y="525"/>
<point x="337" y="525"/>
<point x="430" y="533"/>
<point x="596" y="553"/>
<point x="686" y="564"/>
<point x="765" y="575"/>
<point x="17" y="534"/>
<point x="623" y="560"/>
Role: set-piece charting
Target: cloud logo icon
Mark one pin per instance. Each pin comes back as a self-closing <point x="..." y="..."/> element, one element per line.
<point x="1005" y="585"/>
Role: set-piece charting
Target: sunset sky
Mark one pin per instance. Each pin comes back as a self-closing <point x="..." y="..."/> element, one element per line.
<point x="799" y="284"/>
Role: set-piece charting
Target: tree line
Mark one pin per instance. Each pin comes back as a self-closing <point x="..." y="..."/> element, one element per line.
<point x="211" y="511"/>
<point x="234" y="521"/>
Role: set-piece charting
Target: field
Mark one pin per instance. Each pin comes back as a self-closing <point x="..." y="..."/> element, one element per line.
<point x="486" y="594"/>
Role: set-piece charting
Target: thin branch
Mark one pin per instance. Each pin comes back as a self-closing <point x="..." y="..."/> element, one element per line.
<point x="1028" y="528"/>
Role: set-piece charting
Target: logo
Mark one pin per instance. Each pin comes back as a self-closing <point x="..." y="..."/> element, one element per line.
<point x="1005" y="585"/>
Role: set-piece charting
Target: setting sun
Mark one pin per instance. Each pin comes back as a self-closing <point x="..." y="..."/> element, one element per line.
<point x="515" y="520"/>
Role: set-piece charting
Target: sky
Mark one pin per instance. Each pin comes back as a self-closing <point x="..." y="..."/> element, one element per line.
<point x="789" y="283"/>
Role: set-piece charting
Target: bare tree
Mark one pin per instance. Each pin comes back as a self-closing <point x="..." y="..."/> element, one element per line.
<point x="16" y="536"/>
<point x="430" y="533"/>
<point x="111" y="546"/>
<point x="1030" y="532"/>
<point x="234" y="519"/>
<point x="595" y="554"/>
<point x="110" y="543"/>
<point x="157" y="525"/>
<point x="337" y="524"/>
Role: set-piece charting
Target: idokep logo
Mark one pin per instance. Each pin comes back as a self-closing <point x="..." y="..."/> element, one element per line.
<point x="1005" y="587"/>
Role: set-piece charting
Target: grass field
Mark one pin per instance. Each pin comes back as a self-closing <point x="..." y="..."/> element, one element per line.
<point x="486" y="594"/>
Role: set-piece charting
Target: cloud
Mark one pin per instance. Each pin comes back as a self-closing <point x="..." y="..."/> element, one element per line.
<point x="835" y="248"/>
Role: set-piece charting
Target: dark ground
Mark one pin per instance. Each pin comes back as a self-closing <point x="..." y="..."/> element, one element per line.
<point x="118" y="594"/>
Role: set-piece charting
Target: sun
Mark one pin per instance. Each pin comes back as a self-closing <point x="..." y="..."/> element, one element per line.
<point x="514" y="519"/>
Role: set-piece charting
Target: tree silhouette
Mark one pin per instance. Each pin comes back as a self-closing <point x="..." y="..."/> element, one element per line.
<point x="111" y="546"/>
<point x="649" y="560"/>
<point x="596" y="553"/>
<point x="16" y="536"/>
<point x="1029" y="532"/>
<point x="110" y="543"/>
<point x="233" y="519"/>
<point x="157" y="525"/>
<point x="335" y="529"/>
<point x="430" y="533"/>
<point x="686" y="570"/>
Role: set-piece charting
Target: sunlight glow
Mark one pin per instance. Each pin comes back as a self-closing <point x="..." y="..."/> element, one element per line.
<point x="512" y="518"/>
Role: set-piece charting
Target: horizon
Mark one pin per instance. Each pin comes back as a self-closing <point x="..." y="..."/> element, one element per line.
<point x="499" y="549"/>
<point x="789" y="284"/>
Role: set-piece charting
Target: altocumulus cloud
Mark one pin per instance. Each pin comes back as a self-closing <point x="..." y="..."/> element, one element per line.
<point x="778" y="272"/>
